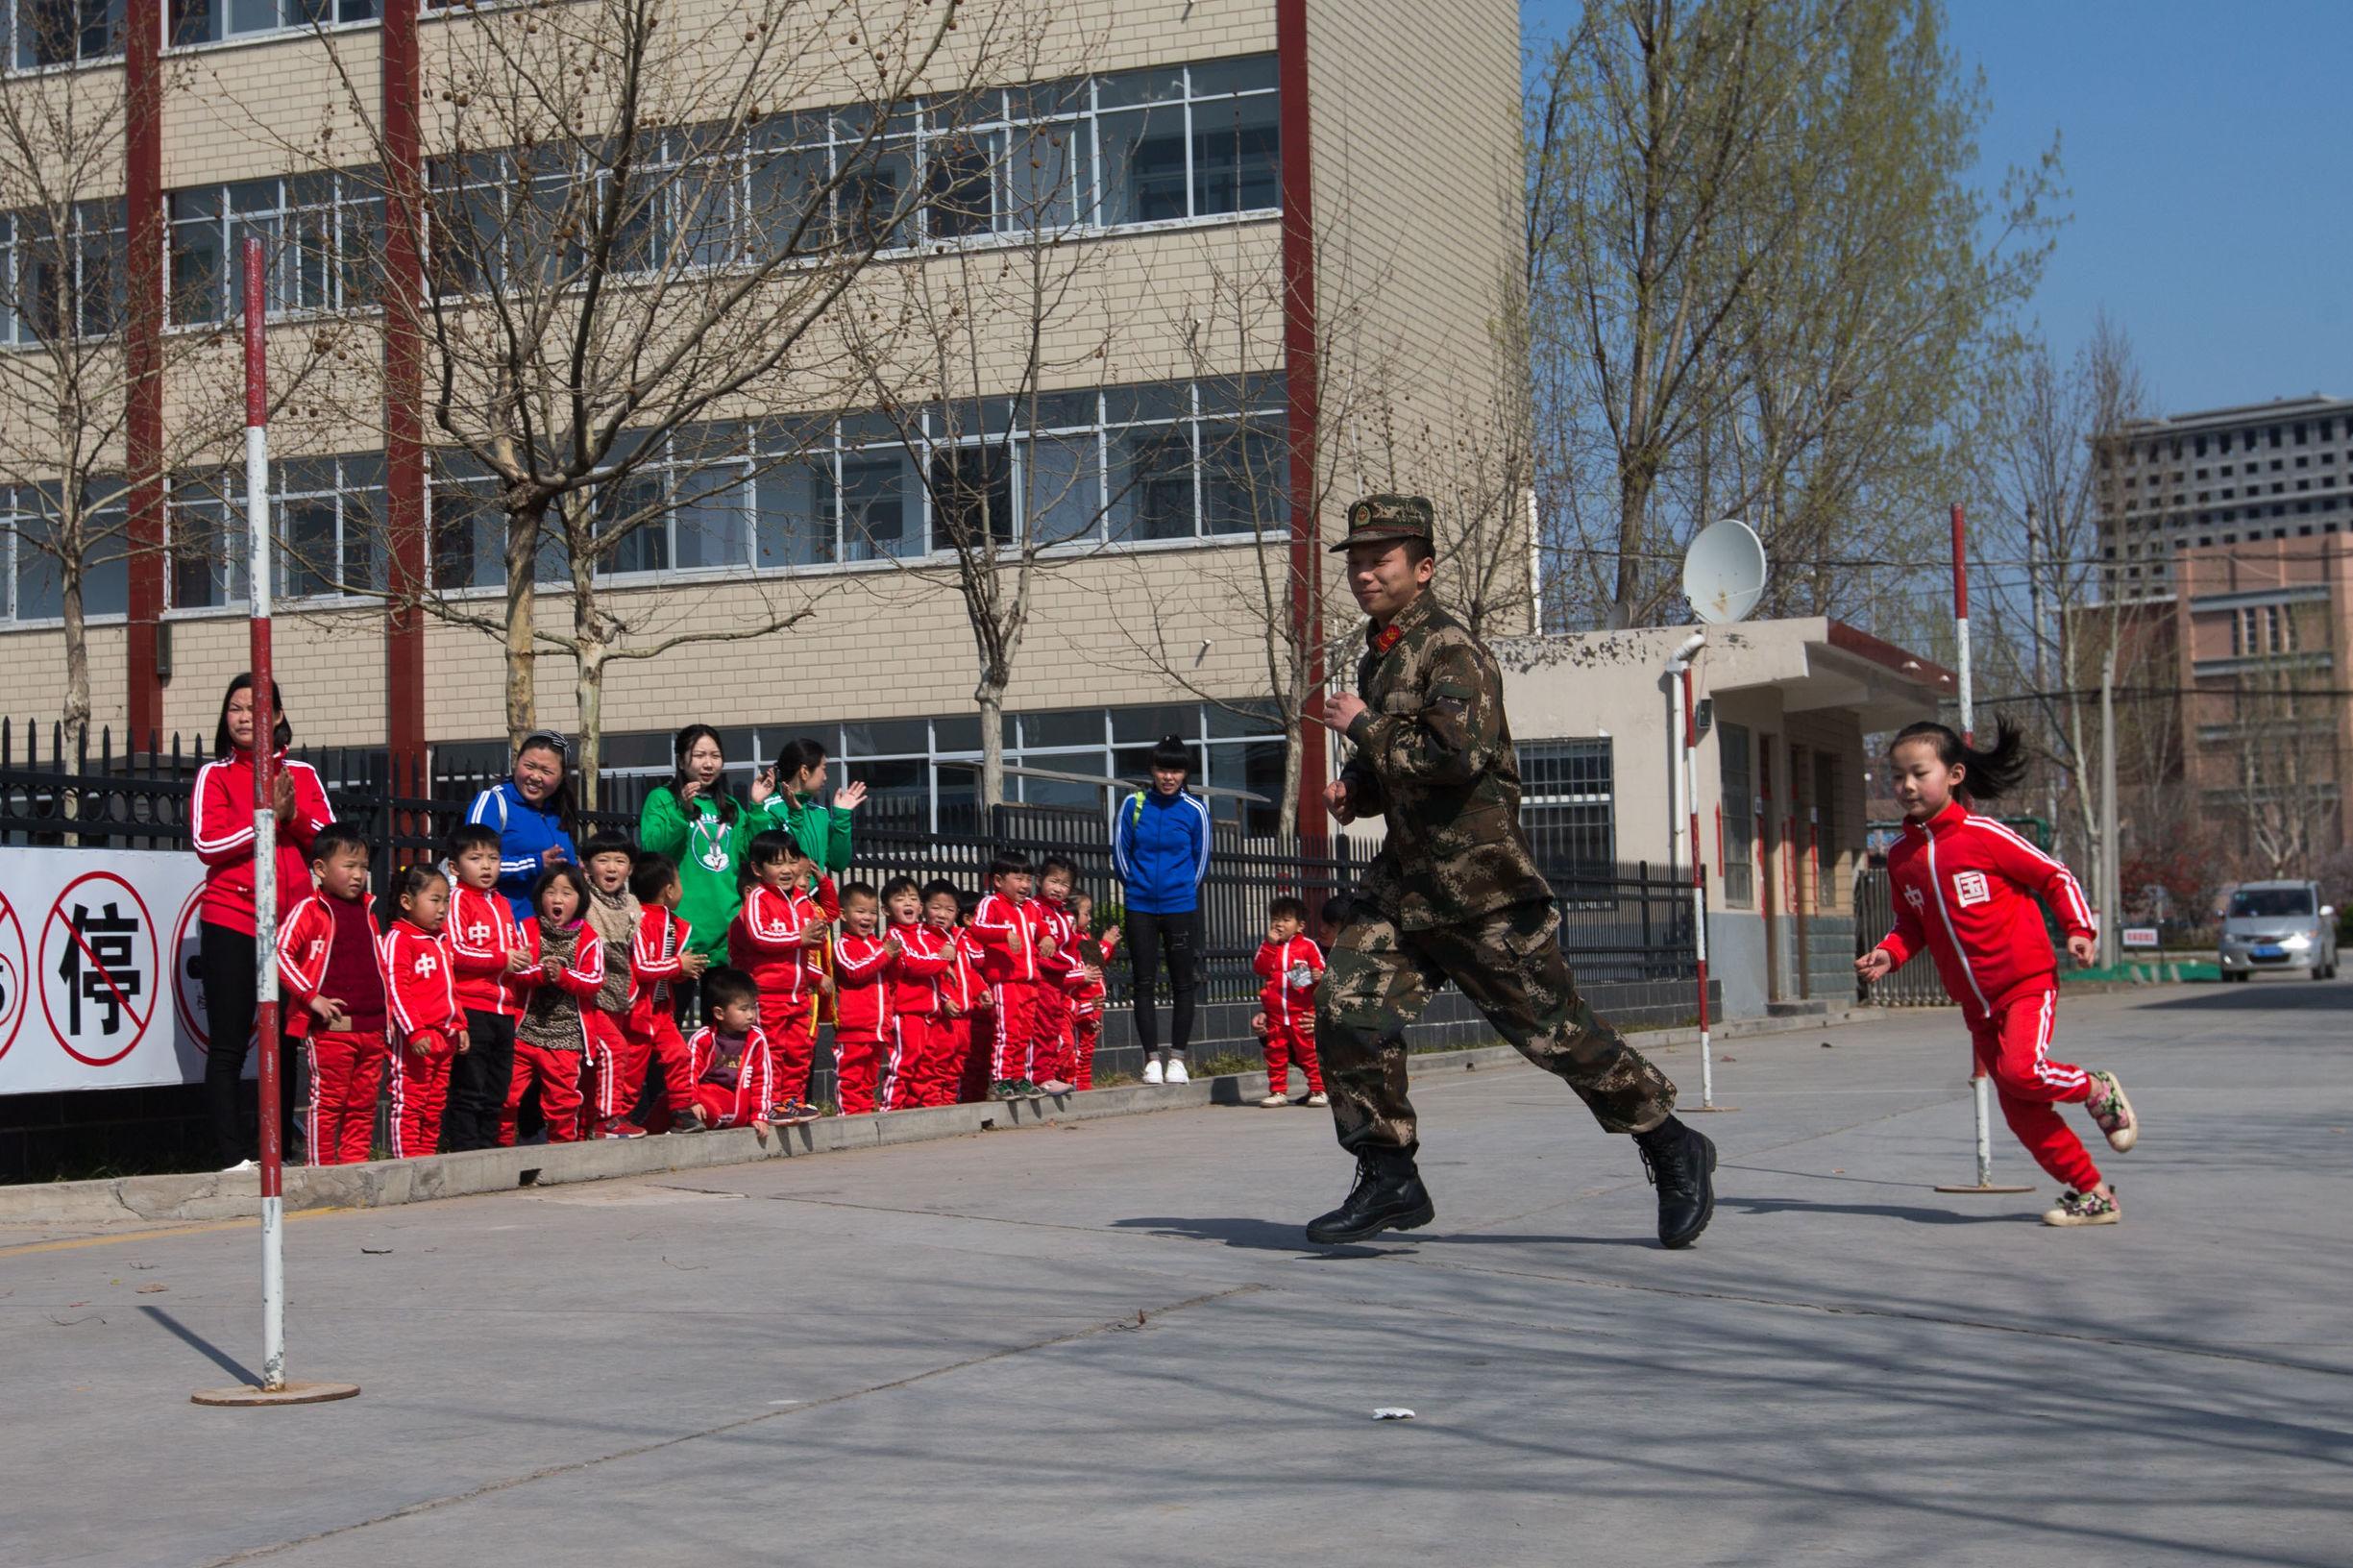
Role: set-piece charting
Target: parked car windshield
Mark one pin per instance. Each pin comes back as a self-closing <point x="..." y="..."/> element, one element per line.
<point x="2269" y="903"/>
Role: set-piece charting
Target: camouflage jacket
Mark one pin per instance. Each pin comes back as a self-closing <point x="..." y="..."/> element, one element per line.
<point x="1433" y="755"/>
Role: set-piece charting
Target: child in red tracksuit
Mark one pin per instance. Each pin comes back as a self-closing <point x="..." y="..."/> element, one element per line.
<point x="428" y="1028"/>
<point x="487" y="951"/>
<point x="1058" y="974"/>
<point x="960" y="1060"/>
<point x="1087" y="992"/>
<point x="864" y="961"/>
<point x="329" y="964"/>
<point x="731" y="1058"/>
<point x="1290" y="961"/>
<point x="616" y="1057"/>
<point x="1009" y="929"/>
<point x="775" y="938"/>
<point x="659" y="959"/>
<point x="1965" y="889"/>
<point x="911" y="1072"/>
<point x="551" y="1037"/>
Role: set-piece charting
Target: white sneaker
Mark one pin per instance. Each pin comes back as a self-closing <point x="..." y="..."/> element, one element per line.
<point x="1275" y="1102"/>
<point x="1151" y="1070"/>
<point x="1176" y="1073"/>
<point x="1318" y="1099"/>
<point x="1055" y="1085"/>
<point x="242" y="1164"/>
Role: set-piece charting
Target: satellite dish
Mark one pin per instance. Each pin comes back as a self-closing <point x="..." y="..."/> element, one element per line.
<point x="1724" y="572"/>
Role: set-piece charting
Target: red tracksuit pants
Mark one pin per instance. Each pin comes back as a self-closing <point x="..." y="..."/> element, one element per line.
<point x="2012" y="1045"/>
<point x="907" y="1072"/>
<point x="346" y="1071"/>
<point x="858" y="1063"/>
<point x="620" y="1063"/>
<point x="1050" y="1053"/>
<point x="1015" y="1053"/>
<point x="557" y="1073"/>
<point x="1287" y="1044"/>
<point x="962" y="1052"/>
<point x="674" y="1068"/>
<point x="419" y="1077"/>
<point x="1086" y="1029"/>
<point x="727" y="1105"/>
<point x="790" y="1023"/>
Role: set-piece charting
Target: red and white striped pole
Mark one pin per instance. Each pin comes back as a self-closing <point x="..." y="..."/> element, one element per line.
<point x="1679" y="666"/>
<point x="273" y="1389"/>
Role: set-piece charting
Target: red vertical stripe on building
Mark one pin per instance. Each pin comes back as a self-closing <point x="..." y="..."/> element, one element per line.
<point x="142" y="360"/>
<point x="1301" y="366"/>
<point x="403" y="391"/>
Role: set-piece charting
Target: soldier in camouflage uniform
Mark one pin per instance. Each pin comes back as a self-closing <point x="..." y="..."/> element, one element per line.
<point x="1454" y="895"/>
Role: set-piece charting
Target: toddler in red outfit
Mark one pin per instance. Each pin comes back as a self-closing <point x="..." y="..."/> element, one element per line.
<point x="327" y="962"/>
<point x="428" y="1027"/>
<point x="1290" y="963"/>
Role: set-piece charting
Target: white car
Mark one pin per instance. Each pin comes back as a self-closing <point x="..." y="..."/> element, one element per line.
<point x="2278" y="925"/>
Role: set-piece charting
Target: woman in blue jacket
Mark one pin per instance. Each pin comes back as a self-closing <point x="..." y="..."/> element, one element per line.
<point x="532" y="812"/>
<point x="1160" y="849"/>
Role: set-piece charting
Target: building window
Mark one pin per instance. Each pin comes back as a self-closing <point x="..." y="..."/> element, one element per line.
<point x="1567" y="804"/>
<point x="327" y="527"/>
<point x="31" y="585"/>
<point x="1737" y="808"/>
<point x="59" y="286"/>
<point x="63" y="32"/>
<point x="320" y="234"/>
<point x="208" y="21"/>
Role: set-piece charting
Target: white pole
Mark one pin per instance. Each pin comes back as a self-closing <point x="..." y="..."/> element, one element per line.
<point x="1985" y="1131"/>
<point x="1687" y="784"/>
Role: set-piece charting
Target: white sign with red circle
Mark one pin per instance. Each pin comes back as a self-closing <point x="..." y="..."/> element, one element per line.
<point x="84" y="969"/>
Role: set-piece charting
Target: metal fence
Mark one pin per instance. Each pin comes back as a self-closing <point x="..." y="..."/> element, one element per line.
<point x="1619" y="923"/>
<point x="1916" y="984"/>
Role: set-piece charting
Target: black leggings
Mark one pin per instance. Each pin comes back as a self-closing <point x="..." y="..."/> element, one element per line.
<point x="1177" y="938"/>
<point x="227" y="959"/>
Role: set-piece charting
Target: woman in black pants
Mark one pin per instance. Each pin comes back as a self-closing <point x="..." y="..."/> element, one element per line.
<point x="1160" y="847"/>
<point x="221" y="823"/>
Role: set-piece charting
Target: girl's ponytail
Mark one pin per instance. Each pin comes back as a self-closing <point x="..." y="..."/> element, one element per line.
<point x="1991" y="774"/>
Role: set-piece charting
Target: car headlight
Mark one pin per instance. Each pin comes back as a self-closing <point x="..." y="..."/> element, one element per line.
<point x="2297" y="942"/>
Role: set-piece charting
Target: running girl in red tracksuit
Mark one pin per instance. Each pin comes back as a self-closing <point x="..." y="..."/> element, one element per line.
<point x="428" y="1028"/>
<point x="327" y="962"/>
<point x="1290" y="961"/>
<point x="1965" y="889"/>
<point x="659" y="960"/>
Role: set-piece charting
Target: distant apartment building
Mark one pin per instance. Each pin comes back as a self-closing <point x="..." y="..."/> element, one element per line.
<point x="1251" y="196"/>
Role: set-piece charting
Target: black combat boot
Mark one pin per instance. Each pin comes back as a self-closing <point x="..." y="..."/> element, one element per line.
<point x="1681" y="1163"/>
<point x="1389" y="1196"/>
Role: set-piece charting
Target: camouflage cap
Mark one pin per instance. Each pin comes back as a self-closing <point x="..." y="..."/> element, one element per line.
<point x="1383" y="519"/>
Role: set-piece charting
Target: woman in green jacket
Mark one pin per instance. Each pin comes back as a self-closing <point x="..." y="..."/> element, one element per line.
<point x="797" y="805"/>
<point x="695" y="821"/>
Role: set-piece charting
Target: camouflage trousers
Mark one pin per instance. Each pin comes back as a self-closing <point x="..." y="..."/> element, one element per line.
<point x="1510" y="965"/>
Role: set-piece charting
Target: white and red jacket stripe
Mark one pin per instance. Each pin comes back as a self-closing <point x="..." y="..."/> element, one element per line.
<point x="655" y="965"/>
<point x="221" y="823"/>
<point x="765" y="940"/>
<point x="961" y="981"/>
<point x="1007" y="931"/>
<point x="862" y="970"/>
<point x="1288" y="1001"/>
<point x="925" y="958"/>
<point x="749" y="1076"/>
<point x="419" y="986"/>
<point x="305" y="938"/>
<point x="1059" y="968"/>
<point x="483" y="930"/>
<point x="1965" y="888"/>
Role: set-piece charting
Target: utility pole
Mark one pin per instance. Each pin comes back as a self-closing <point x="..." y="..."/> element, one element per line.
<point x="2110" y="873"/>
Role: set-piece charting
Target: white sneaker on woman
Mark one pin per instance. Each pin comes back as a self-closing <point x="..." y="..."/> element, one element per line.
<point x="1176" y="1071"/>
<point x="1151" y="1070"/>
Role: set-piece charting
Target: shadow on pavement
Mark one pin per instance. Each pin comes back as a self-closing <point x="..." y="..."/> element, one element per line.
<point x="2263" y="993"/>
<point x="212" y="1352"/>
<point x="1275" y="1236"/>
<point x="1872" y="1211"/>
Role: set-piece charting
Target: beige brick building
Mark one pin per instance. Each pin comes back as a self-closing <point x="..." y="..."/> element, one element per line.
<point x="1284" y="218"/>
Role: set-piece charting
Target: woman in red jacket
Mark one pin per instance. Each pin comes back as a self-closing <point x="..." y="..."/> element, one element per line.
<point x="1965" y="889"/>
<point x="221" y="823"/>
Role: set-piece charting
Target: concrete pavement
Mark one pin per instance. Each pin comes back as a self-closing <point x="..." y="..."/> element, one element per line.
<point x="1103" y="1342"/>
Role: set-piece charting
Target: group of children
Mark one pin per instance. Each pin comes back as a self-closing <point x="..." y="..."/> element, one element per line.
<point x="442" y="996"/>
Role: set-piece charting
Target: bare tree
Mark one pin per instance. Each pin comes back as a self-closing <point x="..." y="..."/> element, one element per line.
<point x="639" y="243"/>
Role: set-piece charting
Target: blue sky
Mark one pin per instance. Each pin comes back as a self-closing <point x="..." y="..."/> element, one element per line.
<point x="2209" y="149"/>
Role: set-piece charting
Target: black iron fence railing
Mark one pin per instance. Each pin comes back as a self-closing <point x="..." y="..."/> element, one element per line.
<point x="1618" y="921"/>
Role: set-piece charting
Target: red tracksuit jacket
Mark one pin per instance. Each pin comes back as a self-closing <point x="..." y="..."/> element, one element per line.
<point x="764" y="941"/>
<point x="862" y="970"/>
<point x="653" y="965"/>
<point x="1059" y="970"/>
<point x="483" y="930"/>
<point x="1087" y="997"/>
<point x="1007" y="934"/>
<point x="221" y="822"/>
<point x="1289" y="969"/>
<point x="419" y="986"/>
<point x="926" y="956"/>
<point x="583" y="977"/>
<point x="744" y="1070"/>
<point x="305" y="948"/>
<point x="1964" y="890"/>
<point x="961" y="982"/>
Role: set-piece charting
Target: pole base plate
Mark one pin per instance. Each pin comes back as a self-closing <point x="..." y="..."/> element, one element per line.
<point x="1702" y="1110"/>
<point x="1973" y="1187"/>
<point x="293" y="1393"/>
